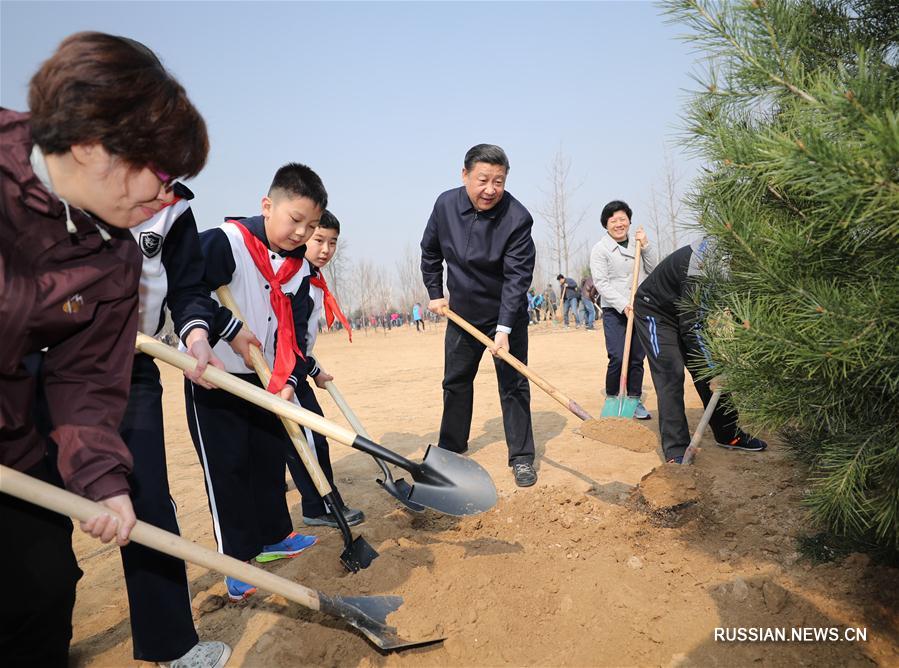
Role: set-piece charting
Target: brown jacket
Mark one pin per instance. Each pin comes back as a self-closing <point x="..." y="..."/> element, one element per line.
<point x="76" y="296"/>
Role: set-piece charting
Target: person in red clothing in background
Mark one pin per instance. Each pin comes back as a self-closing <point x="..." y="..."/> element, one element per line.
<point x="108" y="130"/>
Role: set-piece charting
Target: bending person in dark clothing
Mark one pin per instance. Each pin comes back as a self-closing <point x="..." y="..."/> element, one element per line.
<point x="672" y="338"/>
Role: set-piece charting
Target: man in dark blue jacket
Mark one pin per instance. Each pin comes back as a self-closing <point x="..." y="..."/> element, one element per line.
<point x="484" y="235"/>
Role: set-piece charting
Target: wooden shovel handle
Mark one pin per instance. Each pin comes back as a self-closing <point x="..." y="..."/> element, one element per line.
<point x="700" y="428"/>
<point x="310" y="461"/>
<point x="53" y="498"/>
<point x="241" y="388"/>
<point x="519" y="366"/>
<point x="622" y="387"/>
<point x="344" y="407"/>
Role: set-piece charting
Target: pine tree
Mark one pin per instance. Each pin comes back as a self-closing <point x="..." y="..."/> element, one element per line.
<point x="797" y="120"/>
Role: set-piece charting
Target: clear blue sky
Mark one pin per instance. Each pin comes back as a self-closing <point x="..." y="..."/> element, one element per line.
<point x="383" y="99"/>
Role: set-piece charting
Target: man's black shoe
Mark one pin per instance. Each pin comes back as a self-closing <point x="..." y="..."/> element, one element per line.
<point x="524" y="473"/>
<point x="745" y="442"/>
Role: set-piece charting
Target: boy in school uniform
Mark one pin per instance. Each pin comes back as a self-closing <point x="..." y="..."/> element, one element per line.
<point x="319" y="251"/>
<point x="241" y="446"/>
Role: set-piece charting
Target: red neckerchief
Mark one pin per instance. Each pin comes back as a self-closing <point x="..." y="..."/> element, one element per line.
<point x="286" y="348"/>
<point x="332" y="308"/>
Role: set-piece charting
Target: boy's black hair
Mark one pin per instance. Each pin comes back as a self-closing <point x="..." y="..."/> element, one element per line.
<point x="612" y="208"/>
<point x="489" y="153"/>
<point x="329" y="222"/>
<point x="296" y="180"/>
<point x="559" y="277"/>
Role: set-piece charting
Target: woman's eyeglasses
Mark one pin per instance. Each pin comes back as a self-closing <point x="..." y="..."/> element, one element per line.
<point x="167" y="182"/>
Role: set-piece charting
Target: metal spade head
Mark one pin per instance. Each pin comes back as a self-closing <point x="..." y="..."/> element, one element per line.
<point x="359" y="554"/>
<point x="452" y="484"/>
<point x="619" y="406"/>
<point x="369" y="615"/>
<point x="400" y="490"/>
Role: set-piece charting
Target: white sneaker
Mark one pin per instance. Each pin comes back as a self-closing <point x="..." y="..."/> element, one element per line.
<point x="208" y="654"/>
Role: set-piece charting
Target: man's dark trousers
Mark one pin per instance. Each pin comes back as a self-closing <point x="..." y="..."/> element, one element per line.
<point x="462" y="354"/>
<point x="669" y="344"/>
<point x="162" y="625"/>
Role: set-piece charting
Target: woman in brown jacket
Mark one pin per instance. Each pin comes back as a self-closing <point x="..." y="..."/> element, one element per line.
<point x="109" y="128"/>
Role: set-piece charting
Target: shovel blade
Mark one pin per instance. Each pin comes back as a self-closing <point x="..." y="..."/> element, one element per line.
<point x="358" y="555"/>
<point x="400" y="490"/>
<point x="369" y="615"/>
<point x="452" y="484"/>
<point x="619" y="406"/>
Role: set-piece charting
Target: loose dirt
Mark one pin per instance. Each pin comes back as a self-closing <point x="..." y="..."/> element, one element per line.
<point x="669" y="486"/>
<point x="570" y="572"/>
<point x="621" y="432"/>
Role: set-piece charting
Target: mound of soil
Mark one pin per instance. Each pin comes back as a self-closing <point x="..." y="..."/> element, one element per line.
<point x="670" y="486"/>
<point x="622" y="432"/>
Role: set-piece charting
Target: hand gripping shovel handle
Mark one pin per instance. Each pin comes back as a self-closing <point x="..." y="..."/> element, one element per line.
<point x="358" y="554"/>
<point x="366" y="613"/>
<point x="622" y="386"/>
<point x="520" y="367"/>
<point x="700" y="428"/>
<point x="53" y="498"/>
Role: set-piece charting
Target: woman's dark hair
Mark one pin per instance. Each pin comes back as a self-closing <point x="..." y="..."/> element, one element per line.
<point x="488" y="153"/>
<point x="612" y="208"/>
<point x="100" y="88"/>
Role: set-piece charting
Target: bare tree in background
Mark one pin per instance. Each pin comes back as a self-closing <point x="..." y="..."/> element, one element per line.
<point x="337" y="274"/>
<point x="670" y="183"/>
<point x="362" y="278"/>
<point x="656" y="224"/>
<point x="381" y="290"/>
<point x="581" y="260"/>
<point x="665" y="208"/>
<point x="409" y="280"/>
<point x="562" y="223"/>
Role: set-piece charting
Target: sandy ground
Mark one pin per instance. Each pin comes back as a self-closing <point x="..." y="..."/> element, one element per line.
<point x="577" y="571"/>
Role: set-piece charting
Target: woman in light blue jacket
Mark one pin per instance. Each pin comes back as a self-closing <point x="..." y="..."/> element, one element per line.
<point x="612" y="267"/>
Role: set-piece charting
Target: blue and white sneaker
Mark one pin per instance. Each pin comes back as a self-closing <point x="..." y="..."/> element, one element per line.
<point x="640" y="412"/>
<point x="237" y="590"/>
<point x="287" y="548"/>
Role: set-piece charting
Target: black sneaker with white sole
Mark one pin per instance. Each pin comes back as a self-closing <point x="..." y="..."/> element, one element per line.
<point x="352" y="516"/>
<point x="745" y="442"/>
<point x="524" y="473"/>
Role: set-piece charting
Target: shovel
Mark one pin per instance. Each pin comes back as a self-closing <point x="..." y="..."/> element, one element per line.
<point x="519" y="366"/>
<point x="357" y="552"/>
<point x="366" y="613"/>
<point x="622" y="405"/>
<point x="399" y="489"/>
<point x="445" y="481"/>
<point x="693" y="448"/>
